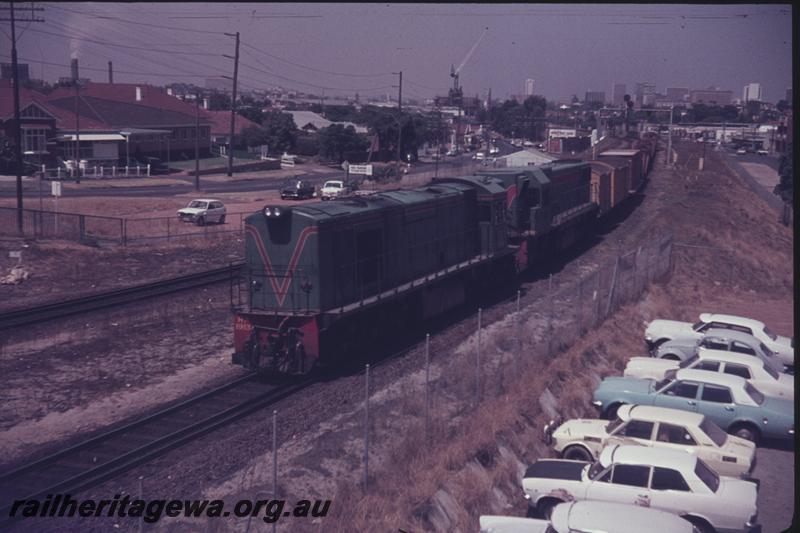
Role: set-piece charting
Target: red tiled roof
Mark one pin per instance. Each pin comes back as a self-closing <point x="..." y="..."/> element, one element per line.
<point x="65" y="118"/>
<point x="221" y="122"/>
<point x="126" y="93"/>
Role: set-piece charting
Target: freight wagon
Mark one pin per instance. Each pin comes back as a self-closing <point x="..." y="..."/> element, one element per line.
<point x="636" y="159"/>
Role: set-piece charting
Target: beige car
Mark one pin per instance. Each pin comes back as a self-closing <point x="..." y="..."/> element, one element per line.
<point x="657" y="427"/>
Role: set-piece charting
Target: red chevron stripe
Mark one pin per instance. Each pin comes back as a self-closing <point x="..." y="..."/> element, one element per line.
<point x="283" y="289"/>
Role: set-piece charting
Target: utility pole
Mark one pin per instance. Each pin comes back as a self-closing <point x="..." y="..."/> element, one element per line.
<point x="17" y="120"/>
<point x="197" y="142"/>
<point x="399" y="118"/>
<point x="233" y="101"/>
<point x="75" y="78"/>
<point x="669" y="142"/>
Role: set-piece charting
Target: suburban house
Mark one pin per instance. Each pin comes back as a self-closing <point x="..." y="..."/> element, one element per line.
<point x="221" y="126"/>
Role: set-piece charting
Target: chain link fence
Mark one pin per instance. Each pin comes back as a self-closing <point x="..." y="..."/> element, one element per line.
<point x="93" y="229"/>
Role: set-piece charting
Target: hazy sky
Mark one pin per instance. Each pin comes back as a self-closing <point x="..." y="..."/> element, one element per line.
<point x="347" y="48"/>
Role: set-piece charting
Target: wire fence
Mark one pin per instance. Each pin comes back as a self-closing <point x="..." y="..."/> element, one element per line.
<point x="94" y="229"/>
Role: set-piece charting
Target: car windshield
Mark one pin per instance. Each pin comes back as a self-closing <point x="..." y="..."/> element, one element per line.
<point x="595" y="470"/>
<point x="333" y="184"/>
<point x="769" y="369"/>
<point x="197" y="204"/>
<point x="766" y="351"/>
<point x="706" y="475"/>
<point x="769" y="334"/>
<point x="713" y="431"/>
<point x="697" y="325"/>
<point x="689" y="362"/>
<point x="614" y="424"/>
<point x="664" y="383"/>
<point x="754" y="393"/>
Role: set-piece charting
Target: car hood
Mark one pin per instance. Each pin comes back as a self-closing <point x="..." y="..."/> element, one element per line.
<point x="739" y="496"/>
<point x="648" y="367"/>
<point x="580" y="429"/>
<point x="783" y="387"/>
<point x="512" y="524"/>
<point x="669" y="329"/>
<point x="191" y="210"/>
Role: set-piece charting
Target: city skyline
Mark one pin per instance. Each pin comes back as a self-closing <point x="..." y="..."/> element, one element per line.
<point x="330" y="48"/>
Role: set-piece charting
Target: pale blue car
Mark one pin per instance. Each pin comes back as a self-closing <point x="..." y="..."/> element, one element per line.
<point x="730" y="401"/>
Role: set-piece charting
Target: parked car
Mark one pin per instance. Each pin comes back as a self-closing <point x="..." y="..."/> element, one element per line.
<point x="728" y="340"/>
<point x="660" y="331"/>
<point x="298" y="190"/>
<point x="768" y="379"/>
<point x="731" y="402"/>
<point x="762" y="152"/>
<point x="741" y="151"/>
<point x="333" y="189"/>
<point x="659" y="427"/>
<point x="480" y="156"/>
<point x="667" y="480"/>
<point x="494" y="150"/>
<point x="202" y="211"/>
<point x="588" y="515"/>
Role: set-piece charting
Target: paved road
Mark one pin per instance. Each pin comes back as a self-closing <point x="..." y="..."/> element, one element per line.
<point x="759" y="174"/>
<point x="776" y="503"/>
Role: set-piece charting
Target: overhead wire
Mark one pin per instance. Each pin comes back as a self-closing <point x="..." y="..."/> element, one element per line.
<point x="298" y="65"/>
<point x="50" y="63"/>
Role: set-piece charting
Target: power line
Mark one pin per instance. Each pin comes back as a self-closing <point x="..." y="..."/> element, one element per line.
<point x="138" y="23"/>
<point x="28" y="60"/>
<point x="312" y="84"/>
<point x="106" y="43"/>
<point x="316" y="69"/>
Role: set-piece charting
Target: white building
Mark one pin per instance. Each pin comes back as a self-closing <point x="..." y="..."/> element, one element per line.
<point x="529" y="87"/>
<point x="525" y="158"/>
<point x="753" y="92"/>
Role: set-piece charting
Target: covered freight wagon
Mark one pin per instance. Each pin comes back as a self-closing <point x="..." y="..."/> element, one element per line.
<point x="601" y="186"/>
<point x="636" y="158"/>
<point x="619" y="168"/>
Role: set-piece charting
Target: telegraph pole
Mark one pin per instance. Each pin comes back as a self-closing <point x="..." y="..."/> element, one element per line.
<point x="197" y="142"/>
<point x="399" y="117"/>
<point x="18" y="126"/>
<point x="233" y="101"/>
<point x="75" y="78"/>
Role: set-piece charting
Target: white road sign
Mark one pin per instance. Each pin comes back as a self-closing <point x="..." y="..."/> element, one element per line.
<point x="55" y="187"/>
<point x="361" y="169"/>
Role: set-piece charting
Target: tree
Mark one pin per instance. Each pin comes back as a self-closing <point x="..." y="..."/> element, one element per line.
<point x="251" y="112"/>
<point x="218" y="101"/>
<point x="785" y="187"/>
<point x="336" y="140"/>
<point x="281" y="129"/>
<point x="254" y="136"/>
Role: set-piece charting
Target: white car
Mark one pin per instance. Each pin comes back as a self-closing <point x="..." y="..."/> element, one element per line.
<point x="766" y="378"/>
<point x="660" y="331"/>
<point x="203" y="210"/>
<point x="494" y="150"/>
<point x="667" y="480"/>
<point x="727" y="340"/>
<point x="741" y="151"/>
<point x="480" y="156"/>
<point x="659" y="427"/>
<point x="592" y="516"/>
<point x="332" y="189"/>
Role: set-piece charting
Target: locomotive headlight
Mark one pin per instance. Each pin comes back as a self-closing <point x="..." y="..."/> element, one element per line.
<point x="267" y="211"/>
<point x="276" y="211"/>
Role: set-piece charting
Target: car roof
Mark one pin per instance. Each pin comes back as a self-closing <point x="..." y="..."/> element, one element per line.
<point x="206" y="200"/>
<point x="511" y="524"/>
<point x="658" y="414"/>
<point x="731" y="319"/>
<point x="645" y="455"/>
<point x="602" y="516"/>
<point x="714" y="378"/>
<point x="729" y="357"/>
<point x="732" y="334"/>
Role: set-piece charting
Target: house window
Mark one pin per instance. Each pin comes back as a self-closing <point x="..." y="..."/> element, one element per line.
<point x="34" y="140"/>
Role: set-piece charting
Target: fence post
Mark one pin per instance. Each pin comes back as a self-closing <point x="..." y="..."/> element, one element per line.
<point x="141" y="497"/>
<point x="366" y="429"/>
<point x="550" y="318"/>
<point x="148" y="170"/>
<point x="478" y="362"/>
<point x="274" y="460"/>
<point x="427" y="384"/>
<point x="58" y="173"/>
<point x="127" y="172"/>
<point x="613" y="286"/>
<point x="578" y="307"/>
<point x="124" y="231"/>
<point x="596" y="300"/>
<point x="519" y="332"/>
<point x="114" y="171"/>
<point x="168" y="219"/>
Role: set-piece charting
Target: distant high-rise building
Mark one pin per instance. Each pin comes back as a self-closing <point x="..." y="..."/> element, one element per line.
<point x="711" y="96"/>
<point x="753" y="92"/>
<point x="595" y="96"/>
<point x="7" y="71"/>
<point x="677" y="94"/>
<point x="529" y="87"/>
<point x="618" y="94"/>
<point x="645" y="94"/>
<point x="789" y="95"/>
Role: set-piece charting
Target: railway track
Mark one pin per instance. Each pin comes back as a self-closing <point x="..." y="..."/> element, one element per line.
<point x="114" y="452"/>
<point x="42" y="313"/>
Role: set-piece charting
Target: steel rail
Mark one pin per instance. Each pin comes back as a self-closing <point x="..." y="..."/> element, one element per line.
<point x="91" y="472"/>
<point x="102" y="300"/>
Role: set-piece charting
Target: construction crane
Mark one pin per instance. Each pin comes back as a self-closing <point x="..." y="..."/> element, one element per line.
<point x="456" y="93"/>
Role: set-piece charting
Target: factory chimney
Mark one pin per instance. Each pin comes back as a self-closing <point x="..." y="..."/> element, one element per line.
<point x="110" y="73"/>
<point x="74" y="68"/>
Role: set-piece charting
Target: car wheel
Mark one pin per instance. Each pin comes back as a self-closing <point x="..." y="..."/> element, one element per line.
<point x="201" y="221"/>
<point x="700" y="525"/>
<point x="222" y="219"/>
<point x="611" y="412"/>
<point x="745" y="431"/>
<point x="546" y="506"/>
<point x="671" y="357"/>
<point x="577" y="453"/>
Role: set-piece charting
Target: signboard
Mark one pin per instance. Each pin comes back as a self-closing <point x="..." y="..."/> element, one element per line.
<point x="15" y="254"/>
<point x="345" y="165"/>
<point x="55" y="188"/>
<point x="556" y="132"/>
<point x="287" y="161"/>
<point x="366" y="170"/>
